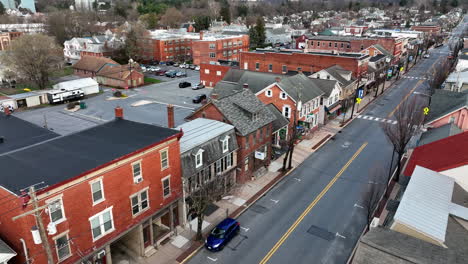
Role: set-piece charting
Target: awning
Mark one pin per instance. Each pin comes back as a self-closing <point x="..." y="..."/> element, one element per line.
<point x="335" y="108"/>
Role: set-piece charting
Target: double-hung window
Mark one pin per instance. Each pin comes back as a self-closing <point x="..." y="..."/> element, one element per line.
<point x="166" y="183"/>
<point x="136" y="170"/>
<point x="56" y="212"/>
<point x="62" y="246"/>
<point x="140" y="202"/>
<point x="199" y="158"/>
<point x="164" y="159"/>
<point x="225" y="144"/>
<point x="97" y="191"/>
<point x="101" y="224"/>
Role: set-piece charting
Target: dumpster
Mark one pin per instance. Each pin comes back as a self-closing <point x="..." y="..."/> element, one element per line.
<point x="82" y="105"/>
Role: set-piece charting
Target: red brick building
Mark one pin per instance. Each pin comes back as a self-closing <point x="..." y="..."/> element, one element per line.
<point x="102" y="189"/>
<point x="430" y="30"/>
<point x="121" y="76"/>
<point x="211" y="74"/>
<point x="355" y="30"/>
<point x="253" y="123"/>
<point x="7" y="37"/>
<point x="283" y="62"/>
<point x="210" y="48"/>
<point x="89" y="66"/>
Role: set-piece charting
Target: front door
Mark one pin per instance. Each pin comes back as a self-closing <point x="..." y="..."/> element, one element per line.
<point x="146" y="236"/>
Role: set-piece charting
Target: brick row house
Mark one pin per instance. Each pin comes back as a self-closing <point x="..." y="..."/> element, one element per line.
<point x="7" y="37"/>
<point x="111" y="188"/>
<point x="253" y="123"/>
<point x="282" y="62"/>
<point x="108" y="72"/>
<point x="213" y="47"/>
<point x="208" y="150"/>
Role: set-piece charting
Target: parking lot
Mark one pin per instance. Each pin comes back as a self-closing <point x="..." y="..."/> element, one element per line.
<point x="147" y="104"/>
<point x="189" y="72"/>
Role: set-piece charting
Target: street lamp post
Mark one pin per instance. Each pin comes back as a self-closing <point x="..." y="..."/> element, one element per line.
<point x="130" y="63"/>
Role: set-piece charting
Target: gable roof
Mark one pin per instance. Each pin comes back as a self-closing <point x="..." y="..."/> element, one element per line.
<point x="438" y="133"/>
<point x="93" y="64"/>
<point x="18" y="133"/>
<point x="426" y="203"/>
<point x="300" y="87"/>
<point x="325" y="85"/>
<point x="64" y="158"/>
<point x="280" y="121"/>
<point x="383" y="50"/>
<point x="444" y="102"/>
<point x="337" y="72"/>
<point x="119" y="72"/>
<point x="238" y="109"/>
<point x="440" y="155"/>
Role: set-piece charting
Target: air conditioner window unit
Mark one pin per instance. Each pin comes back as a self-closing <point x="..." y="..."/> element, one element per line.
<point x="138" y="179"/>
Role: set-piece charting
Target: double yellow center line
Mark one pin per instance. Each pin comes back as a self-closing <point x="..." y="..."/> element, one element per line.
<point x="406" y="97"/>
<point x="311" y="205"/>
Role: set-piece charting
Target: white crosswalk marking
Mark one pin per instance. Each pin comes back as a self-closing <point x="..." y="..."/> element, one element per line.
<point x="378" y="119"/>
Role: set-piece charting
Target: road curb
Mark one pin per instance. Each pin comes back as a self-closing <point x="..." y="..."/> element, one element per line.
<point x="239" y="211"/>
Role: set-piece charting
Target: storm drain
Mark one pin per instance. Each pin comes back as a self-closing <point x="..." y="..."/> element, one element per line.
<point x="346" y="144"/>
<point x="259" y="209"/>
<point x="320" y="232"/>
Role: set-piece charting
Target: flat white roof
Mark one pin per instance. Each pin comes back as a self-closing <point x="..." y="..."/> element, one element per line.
<point x="426" y="203"/>
<point x="76" y="84"/>
<point x="201" y="130"/>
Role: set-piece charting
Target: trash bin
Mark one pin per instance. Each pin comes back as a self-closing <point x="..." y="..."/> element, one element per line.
<point x="82" y="105"/>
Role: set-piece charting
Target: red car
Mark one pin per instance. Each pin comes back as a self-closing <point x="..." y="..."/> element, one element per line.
<point x="160" y="72"/>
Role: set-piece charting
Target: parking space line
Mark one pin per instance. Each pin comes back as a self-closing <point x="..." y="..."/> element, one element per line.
<point x="212" y="259"/>
<point x="245" y="229"/>
<point x="180" y="106"/>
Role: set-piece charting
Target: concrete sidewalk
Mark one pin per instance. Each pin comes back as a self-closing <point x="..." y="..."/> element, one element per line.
<point x="182" y="246"/>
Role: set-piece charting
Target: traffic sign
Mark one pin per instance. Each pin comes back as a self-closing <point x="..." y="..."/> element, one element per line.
<point x="358" y="100"/>
<point x="360" y="93"/>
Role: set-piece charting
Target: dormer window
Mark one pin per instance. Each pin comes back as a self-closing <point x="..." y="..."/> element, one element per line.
<point x="255" y="117"/>
<point x="199" y="158"/>
<point x="269" y="93"/>
<point x="225" y="144"/>
<point x="283" y="95"/>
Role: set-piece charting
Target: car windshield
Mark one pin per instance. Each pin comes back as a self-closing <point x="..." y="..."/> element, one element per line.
<point x="218" y="232"/>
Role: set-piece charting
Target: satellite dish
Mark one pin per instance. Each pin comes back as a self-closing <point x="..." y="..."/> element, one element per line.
<point x="51" y="228"/>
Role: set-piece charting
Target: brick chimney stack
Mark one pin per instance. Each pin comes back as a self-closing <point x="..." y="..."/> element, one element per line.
<point x="170" y="116"/>
<point x="119" y="112"/>
<point x="278" y="79"/>
<point x="214" y="96"/>
<point x="201" y="35"/>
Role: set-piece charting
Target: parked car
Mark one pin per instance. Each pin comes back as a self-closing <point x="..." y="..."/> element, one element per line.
<point x="171" y="74"/>
<point x="143" y="68"/>
<point x="198" y="86"/>
<point x="162" y="63"/>
<point x="192" y="67"/>
<point x="438" y="45"/>
<point x="197" y="68"/>
<point x="184" y="84"/>
<point x="222" y="234"/>
<point x="175" y="64"/>
<point x="181" y="74"/>
<point x="199" y="98"/>
<point x="182" y="66"/>
<point x="426" y="55"/>
<point x="160" y="72"/>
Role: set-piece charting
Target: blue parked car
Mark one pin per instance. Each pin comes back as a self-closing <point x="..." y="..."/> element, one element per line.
<point x="222" y="234"/>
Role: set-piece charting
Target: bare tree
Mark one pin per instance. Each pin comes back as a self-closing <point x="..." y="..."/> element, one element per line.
<point x="373" y="192"/>
<point x="171" y="18"/>
<point x="409" y="116"/>
<point x="33" y="57"/>
<point x="205" y="194"/>
<point x="437" y="77"/>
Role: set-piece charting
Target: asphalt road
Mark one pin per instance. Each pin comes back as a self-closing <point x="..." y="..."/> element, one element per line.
<point x="318" y="216"/>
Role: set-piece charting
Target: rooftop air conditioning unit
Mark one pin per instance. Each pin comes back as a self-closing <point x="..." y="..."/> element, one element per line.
<point x="374" y="223"/>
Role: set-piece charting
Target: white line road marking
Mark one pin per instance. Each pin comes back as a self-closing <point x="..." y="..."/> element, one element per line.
<point x="245" y="229"/>
<point x="338" y="235"/>
<point x="180" y="106"/>
<point x="212" y="259"/>
<point x="394" y="122"/>
<point x="358" y="206"/>
<point x="359" y="116"/>
<point x="297" y="179"/>
<point x="365" y="117"/>
<point x="382" y="120"/>
<point x="377" y="119"/>
<point x="275" y="201"/>
<point x="389" y="121"/>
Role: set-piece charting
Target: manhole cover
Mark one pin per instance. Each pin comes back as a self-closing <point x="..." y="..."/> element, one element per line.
<point x="346" y="144"/>
<point x="320" y="232"/>
<point x="259" y="209"/>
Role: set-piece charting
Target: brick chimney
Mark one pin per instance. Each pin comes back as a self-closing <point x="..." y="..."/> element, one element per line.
<point x="201" y="35"/>
<point x="119" y="112"/>
<point x="170" y="116"/>
<point x="245" y="85"/>
<point x="278" y="79"/>
<point x="214" y="96"/>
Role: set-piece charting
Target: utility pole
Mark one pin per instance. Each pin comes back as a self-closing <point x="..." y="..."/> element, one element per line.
<point x="354" y="97"/>
<point x="40" y="224"/>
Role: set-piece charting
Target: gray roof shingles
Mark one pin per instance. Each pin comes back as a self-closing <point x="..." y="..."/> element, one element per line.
<point x="241" y="117"/>
<point x="444" y="102"/>
<point x="435" y="134"/>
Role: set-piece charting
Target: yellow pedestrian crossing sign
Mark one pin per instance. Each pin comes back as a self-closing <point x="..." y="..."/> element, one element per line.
<point x="358" y="100"/>
<point x="426" y="110"/>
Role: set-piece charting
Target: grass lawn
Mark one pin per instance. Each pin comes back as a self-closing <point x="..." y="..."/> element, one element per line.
<point x="65" y="71"/>
<point x="17" y="90"/>
<point x="151" y="80"/>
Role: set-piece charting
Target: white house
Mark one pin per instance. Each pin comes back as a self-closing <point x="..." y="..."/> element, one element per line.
<point x="87" y="85"/>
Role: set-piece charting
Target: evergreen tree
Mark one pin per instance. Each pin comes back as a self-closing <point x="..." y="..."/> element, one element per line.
<point x="454" y="3"/>
<point x="260" y="31"/>
<point x="350" y="5"/>
<point x="253" y="37"/>
<point x="225" y="12"/>
<point x="202" y="23"/>
<point x="2" y="9"/>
